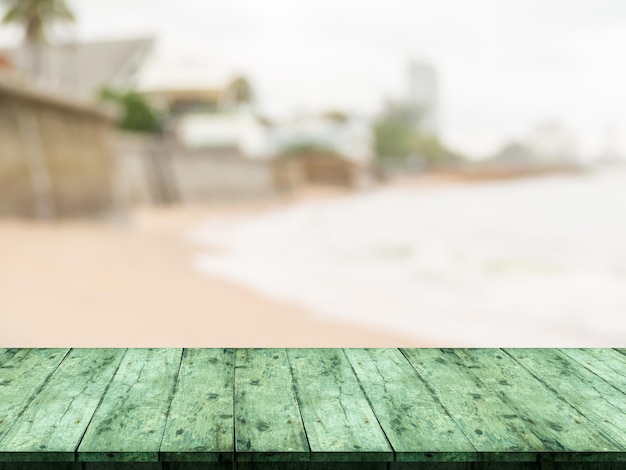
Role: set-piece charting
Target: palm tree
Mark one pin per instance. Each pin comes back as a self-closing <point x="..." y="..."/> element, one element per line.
<point x="239" y="92"/>
<point x="35" y="17"/>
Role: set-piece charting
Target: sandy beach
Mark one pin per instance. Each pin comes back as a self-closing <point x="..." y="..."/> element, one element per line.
<point x="132" y="284"/>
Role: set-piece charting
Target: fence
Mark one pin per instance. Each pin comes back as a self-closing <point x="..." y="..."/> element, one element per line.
<point x="158" y="170"/>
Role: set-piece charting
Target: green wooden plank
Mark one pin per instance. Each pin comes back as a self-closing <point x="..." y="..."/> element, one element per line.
<point x="580" y="466"/>
<point x="51" y="427"/>
<point x="559" y="426"/>
<point x="22" y="374"/>
<point x="200" y="424"/>
<point x="324" y="465"/>
<point x="197" y="465"/>
<point x="129" y="423"/>
<point x="312" y="466"/>
<point x="594" y="398"/>
<point x="494" y="429"/>
<point x="41" y="466"/>
<point x="273" y="466"/>
<point x="339" y="423"/>
<point x="415" y="422"/>
<point x="123" y="466"/>
<point x="606" y="363"/>
<point x="434" y="466"/>
<point x="268" y="425"/>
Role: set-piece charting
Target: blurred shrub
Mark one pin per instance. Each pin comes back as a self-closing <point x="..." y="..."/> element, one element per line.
<point x="307" y="148"/>
<point x="138" y="115"/>
<point x="397" y="139"/>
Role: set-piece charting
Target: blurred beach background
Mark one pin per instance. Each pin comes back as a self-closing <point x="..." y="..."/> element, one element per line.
<point x="426" y="173"/>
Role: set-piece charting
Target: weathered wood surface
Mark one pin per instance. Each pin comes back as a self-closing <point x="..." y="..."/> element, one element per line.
<point x="371" y="409"/>
<point x="23" y="372"/>
<point x="129" y="424"/>
<point x="268" y="424"/>
<point x="51" y="426"/>
<point x="492" y="426"/>
<point x="339" y="423"/>
<point x="200" y="423"/>
<point x="417" y="425"/>
<point x="561" y="428"/>
<point x="597" y="400"/>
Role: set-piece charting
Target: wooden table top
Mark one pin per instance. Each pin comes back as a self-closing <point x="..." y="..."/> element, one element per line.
<point x="313" y="408"/>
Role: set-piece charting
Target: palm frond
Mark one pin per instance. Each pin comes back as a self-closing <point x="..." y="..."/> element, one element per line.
<point x="12" y="15"/>
<point x="35" y="16"/>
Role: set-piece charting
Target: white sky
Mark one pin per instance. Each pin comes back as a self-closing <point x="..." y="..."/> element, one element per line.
<point x="504" y="64"/>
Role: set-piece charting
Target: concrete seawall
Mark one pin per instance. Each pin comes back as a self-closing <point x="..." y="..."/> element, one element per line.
<point x="56" y="158"/>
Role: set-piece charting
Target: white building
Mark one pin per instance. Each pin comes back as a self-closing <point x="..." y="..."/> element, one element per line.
<point x="245" y="133"/>
<point x="350" y="137"/>
<point x="241" y="131"/>
<point x="552" y="142"/>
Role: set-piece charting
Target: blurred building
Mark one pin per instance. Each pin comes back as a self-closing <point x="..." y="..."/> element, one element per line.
<point x="422" y="100"/>
<point x="546" y="144"/>
<point x="611" y="153"/>
<point x="205" y="119"/>
<point x="552" y="142"/>
<point x="350" y="137"/>
<point x="82" y="69"/>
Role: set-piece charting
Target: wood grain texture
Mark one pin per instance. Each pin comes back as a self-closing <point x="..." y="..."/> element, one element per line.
<point x="129" y="423"/>
<point x="415" y="422"/>
<point x="122" y="466"/>
<point x="268" y="425"/>
<point x="432" y="466"/>
<point x="608" y="364"/>
<point x="51" y="427"/>
<point x="41" y="466"/>
<point x="198" y="465"/>
<point x="339" y="423"/>
<point x="559" y="426"/>
<point x="600" y="402"/>
<point x="200" y="424"/>
<point x="23" y="372"/>
<point x="496" y="430"/>
<point x="269" y="409"/>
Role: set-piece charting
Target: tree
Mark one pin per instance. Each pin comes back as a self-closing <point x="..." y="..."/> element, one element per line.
<point x="397" y="140"/>
<point x="239" y="92"/>
<point x="138" y="114"/>
<point x="36" y="17"/>
<point x="307" y="148"/>
<point x="393" y="133"/>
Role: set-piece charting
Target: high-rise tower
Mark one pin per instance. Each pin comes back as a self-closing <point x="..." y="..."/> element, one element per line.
<point x="423" y="97"/>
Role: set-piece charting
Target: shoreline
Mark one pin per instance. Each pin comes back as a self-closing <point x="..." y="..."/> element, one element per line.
<point x="132" y="283"/>
<point x="89" y="284"/>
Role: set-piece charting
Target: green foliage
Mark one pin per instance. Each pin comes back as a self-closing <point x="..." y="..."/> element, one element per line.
<point x="393" y="138"/>
<point x="397" y="139"/>
<point x="239" y="92"/>
<point x="138" y="114"/>
<point x="35" y="16"/>
<point x="432" y="151"/>
<point x="307" y="148"/>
